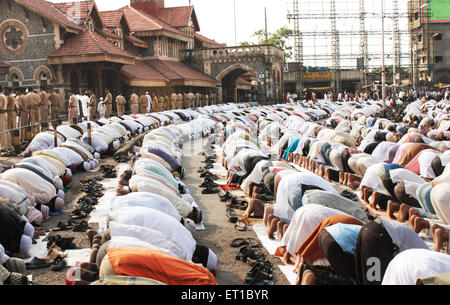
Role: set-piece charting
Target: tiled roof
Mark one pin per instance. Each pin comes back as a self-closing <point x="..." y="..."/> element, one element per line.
<point x="89" y="43"/>
<point x="176" y="70"/>
<point x="176" y="16"/>
<point x="141" y="21"/>
<point x="111" y="19"/>
<point x="76" y="10"/>
<point x="163" y="70"/>
<point x="49" y="11"/>
<point x="209" y="41"/>
<point x="140" y="70"/>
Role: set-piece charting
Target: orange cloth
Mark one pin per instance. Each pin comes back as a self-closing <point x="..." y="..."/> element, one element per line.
<point x="310" y="250"/>
<point x="142" y="262"/>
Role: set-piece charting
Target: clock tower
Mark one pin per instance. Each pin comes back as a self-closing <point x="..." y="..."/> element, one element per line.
<point x="151" y="7"/>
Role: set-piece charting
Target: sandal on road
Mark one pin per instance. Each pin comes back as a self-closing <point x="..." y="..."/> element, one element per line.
<point x="240" y="226"/>
<point x="231" y="215"/>
<point x="238" y="242"/>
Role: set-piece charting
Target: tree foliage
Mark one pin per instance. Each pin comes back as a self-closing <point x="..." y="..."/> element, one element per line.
<point x="279" y="39"/>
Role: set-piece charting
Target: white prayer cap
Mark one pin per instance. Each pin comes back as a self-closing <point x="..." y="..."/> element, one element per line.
<point x="212" y="261"/>
<point x="59" y="204"/>
<point x="97" y="155"/>
<point x="35" y="216"/>
<point x="190" y="225"/>
<point x="45" y="210"/>
<point x="3" y="257"/>
<point x="86" y="166"/>
<point x="92" y="164"/>
<point x="61" y="194"/>
<point x="25" y="244"/>
<point x="59" y="184"/>
<point x="28" y="230"/>
<point x="116" y="145"/>
<point x="69" y="171"/>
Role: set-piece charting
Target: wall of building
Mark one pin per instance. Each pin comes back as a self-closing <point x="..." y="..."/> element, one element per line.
<point x="40" y="42"/>
<point x="442" y="48"/>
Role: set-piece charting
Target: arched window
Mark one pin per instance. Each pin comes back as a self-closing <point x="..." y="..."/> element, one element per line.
<point x="43" y="77"/>
<point x="15" y="80"/>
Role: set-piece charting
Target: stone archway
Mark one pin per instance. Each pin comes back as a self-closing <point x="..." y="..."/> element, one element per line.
<point x="227" y="78"/>
<point x="40" y="72"/>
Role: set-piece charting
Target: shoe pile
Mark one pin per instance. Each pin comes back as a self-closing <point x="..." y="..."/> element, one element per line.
<point x="208" y="185"/>
<point x="65" y="243"/>
<point x="262" y="269"/>
<point x="108" y="171"/>
<point x="93" y="190"/>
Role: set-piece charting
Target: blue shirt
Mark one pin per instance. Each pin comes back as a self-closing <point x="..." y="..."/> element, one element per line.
<point x="345" y="235"/>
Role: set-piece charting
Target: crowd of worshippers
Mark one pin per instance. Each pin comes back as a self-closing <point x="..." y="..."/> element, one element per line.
<point x="34" y="189"/>
<point x="22" y="107"/>
<point x="289" y="165"/>
<point x="152" y="219"/>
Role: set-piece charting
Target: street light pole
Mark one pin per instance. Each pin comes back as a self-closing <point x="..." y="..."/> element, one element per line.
<point x="383" y="67"/>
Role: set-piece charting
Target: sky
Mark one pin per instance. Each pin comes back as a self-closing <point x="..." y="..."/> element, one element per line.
<point x="216" y="18"/>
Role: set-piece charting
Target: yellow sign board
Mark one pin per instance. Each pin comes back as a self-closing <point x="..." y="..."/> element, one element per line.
<point x="318" y="76"/>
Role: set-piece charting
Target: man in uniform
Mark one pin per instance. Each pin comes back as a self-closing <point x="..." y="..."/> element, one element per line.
<point x="11" y="108"/>
<point x="134" y="103"/>
<point x="174" y="101"/>
<point x="72" y="110"/>
<point x="143" y="103"/>
<point x="43" y="105"/>
<point x="206" y="100"/>
<point x="34" y="101"/>
<point x="23" y="107"/>
<point x="166" y="103"/>
<point x="155" y="102"/>
<point x="92" y="105"/>
<point x="180" y="101"/>
<point x="54" y="104"/>
<point x="5" y="139"/>
<point x="108" y="103"/>
<point x="191" y="100"/>
<point x="161" y="104"/>
<point x="197" y="100"/>
<point x="120" y="101"/>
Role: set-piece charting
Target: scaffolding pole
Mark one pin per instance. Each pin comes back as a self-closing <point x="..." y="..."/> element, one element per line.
<point x="397" y="46"/>
<point x="298" y="47"/>
<point x="335" y="50"/>
<point x="363" y="45"/>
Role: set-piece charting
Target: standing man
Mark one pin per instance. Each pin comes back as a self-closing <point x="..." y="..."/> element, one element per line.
<point x="149" y="103"/>
<point x="108" y="103"/>
<point x="85" y="102"/>
<point x="43" y="105"/>
<point x="174" y="101"/>
<point x="11" y="108"/>
<point x="134" y="103"/>
<point x="54" y="104"/>
<point x="180" y="101"/>
<point x="120" y="101"/>
<point x="143" y="104"/>
<point x="72" y="110"/>
<point x="23" y="107"/>
<point x="5" y="139"/>
<point x="34" y="100"/>
<point x="92" y="105"/>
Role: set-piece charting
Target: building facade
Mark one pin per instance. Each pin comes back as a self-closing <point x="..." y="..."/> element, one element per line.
<point x="430" y="46"/>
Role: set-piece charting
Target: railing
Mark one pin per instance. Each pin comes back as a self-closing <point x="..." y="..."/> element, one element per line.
<point x="234" y="52"/>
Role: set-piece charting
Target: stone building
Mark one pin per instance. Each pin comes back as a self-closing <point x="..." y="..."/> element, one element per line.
<point x="138" y="48"/>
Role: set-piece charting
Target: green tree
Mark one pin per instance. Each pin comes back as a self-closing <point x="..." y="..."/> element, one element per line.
<point x="278" y="39"/>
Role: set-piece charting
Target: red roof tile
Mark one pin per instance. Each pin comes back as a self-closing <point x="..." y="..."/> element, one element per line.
<point x="176" y="70"/>
<point x="78" y="10"/>
<point x="156" y="69"/>
<point x="140" y="70"/>
<point x="49" y="11"/>
<point x="111" y="19"/>
<point x="209" y="41"/>
<point x="176" y="16"/>
<point x="141" y="21"/>
<point x="89" y="43"/>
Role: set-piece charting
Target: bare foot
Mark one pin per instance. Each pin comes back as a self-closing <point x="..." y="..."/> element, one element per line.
<point x="341" y="177"/>
<point x="403" y="213"/>
<point x="392" y="207"/>
<point x="440" y="238"/>
<point x="308" y="278"/>
<point x="420" y="224"/>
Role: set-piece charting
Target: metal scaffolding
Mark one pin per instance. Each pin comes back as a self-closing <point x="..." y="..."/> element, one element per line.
<point x="298" y="49"/>
<point x="341" y="47"/>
